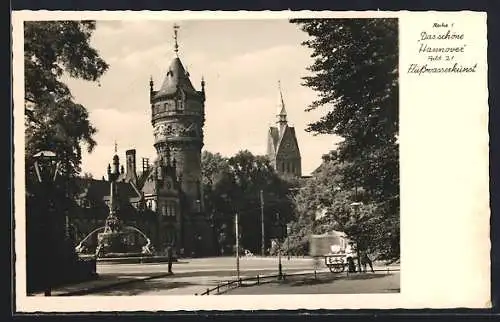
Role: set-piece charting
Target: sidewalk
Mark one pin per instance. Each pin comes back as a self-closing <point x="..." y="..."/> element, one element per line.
<point x="101" y="282"/>
<point x="324" y="283"/>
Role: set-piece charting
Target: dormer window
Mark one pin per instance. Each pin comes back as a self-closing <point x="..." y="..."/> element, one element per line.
<point x="179" y="104"/>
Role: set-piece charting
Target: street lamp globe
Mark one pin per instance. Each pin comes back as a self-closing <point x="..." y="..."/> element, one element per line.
<point x="46" y="166"/>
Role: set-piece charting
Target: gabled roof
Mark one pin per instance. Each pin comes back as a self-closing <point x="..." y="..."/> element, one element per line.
<point x="98" y="191"/>
<point x="288" y="132"/>
<point x="176" y="78"/>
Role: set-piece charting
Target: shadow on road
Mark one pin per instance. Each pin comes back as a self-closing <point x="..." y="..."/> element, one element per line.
<point x="146" y="286"/>
<point x="365" y="276"/>
<point x="327" y="278"/>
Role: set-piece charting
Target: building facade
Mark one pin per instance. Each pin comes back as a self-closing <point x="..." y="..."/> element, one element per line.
<point x="282" y="145"/>
<point x="164" y="200"/>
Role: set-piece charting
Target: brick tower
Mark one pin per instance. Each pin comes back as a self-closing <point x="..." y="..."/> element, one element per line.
<point x="178" y="116"/>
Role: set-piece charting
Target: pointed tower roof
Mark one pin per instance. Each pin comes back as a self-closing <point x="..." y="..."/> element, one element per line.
<point x="281" y="105"/>
<point x="282" y="111"/>
<point x="177" y="77"/>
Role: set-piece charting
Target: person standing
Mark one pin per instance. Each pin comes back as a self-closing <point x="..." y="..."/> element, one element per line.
<point x="365" y="260"/>
<point x="170" y="256"/>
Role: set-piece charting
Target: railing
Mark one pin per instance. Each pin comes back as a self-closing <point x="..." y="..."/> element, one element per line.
<point x="223" y="287"/>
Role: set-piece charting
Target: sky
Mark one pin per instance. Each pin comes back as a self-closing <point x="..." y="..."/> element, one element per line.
<point x="241" y="61"/>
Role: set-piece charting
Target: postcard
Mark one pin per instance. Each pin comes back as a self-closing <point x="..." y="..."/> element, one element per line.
<point x="282" y="160"/>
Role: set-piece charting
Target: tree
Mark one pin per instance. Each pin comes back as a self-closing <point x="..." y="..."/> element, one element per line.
<point x="316" y="195"/>
<point x="213" y="166"/>
<point x="88" y="175"/>
<point x="52" y="48"/>
<point x="237" y="189"/>
<point x="355" y="73"/>
<point x="53" y="120"/>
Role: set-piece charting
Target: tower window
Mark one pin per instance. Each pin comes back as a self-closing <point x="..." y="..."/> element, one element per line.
<point x="179" y="104"/>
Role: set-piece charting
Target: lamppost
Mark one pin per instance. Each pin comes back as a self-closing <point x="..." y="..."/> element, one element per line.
<point x="197" y="238"/>
<point x="236" y="226"/>
<point x="355" y="206"/>
<point x="47" y="168"/>
<point x="288" y="233"/>
<point x="237" y="233"/>
<point x="280" y="270"/>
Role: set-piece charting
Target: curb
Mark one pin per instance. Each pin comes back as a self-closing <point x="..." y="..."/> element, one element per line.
<point x="111" y="285"/>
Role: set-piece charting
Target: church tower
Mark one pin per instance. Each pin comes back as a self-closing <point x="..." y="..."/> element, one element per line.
<point x="282" y="146"/>
<point x="178" y="116"/>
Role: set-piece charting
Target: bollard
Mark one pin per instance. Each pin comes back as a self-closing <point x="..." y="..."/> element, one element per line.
<point x="217" y="288"/>
<point x="258" y="280"/>
<point x="314" y="274"/>
<point x="239" y="282"/>
<point x="208" y="291"/>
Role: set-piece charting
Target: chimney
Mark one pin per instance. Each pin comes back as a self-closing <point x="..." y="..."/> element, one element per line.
<point x="131" y="174"/>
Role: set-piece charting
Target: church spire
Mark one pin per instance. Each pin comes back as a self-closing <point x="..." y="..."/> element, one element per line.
<point x="176" y="47"/>
<point x="282" y="111"/>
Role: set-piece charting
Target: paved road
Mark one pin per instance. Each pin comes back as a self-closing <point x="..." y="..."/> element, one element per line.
<point x="193" y="276"/>
<point x="224" y="264"/>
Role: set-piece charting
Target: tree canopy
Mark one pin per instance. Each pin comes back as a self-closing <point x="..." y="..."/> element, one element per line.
<point x="355" y="74"/>
<point x="54" y="121"/>
<point x="233" y="185"/>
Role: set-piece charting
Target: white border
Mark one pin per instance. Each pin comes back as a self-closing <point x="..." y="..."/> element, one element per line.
<point x="435" y="231"/>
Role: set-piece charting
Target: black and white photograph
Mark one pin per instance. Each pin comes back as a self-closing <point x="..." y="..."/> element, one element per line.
<point x="212" y="157"/>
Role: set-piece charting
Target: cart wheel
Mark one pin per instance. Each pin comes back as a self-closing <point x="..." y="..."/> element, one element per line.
<point x="336" y="268"/>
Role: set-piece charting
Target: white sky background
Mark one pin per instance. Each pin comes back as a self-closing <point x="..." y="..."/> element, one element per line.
<point x="241" y="60"/>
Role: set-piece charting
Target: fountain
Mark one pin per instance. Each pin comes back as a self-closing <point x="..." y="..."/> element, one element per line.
<point x="116" y="240"/>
